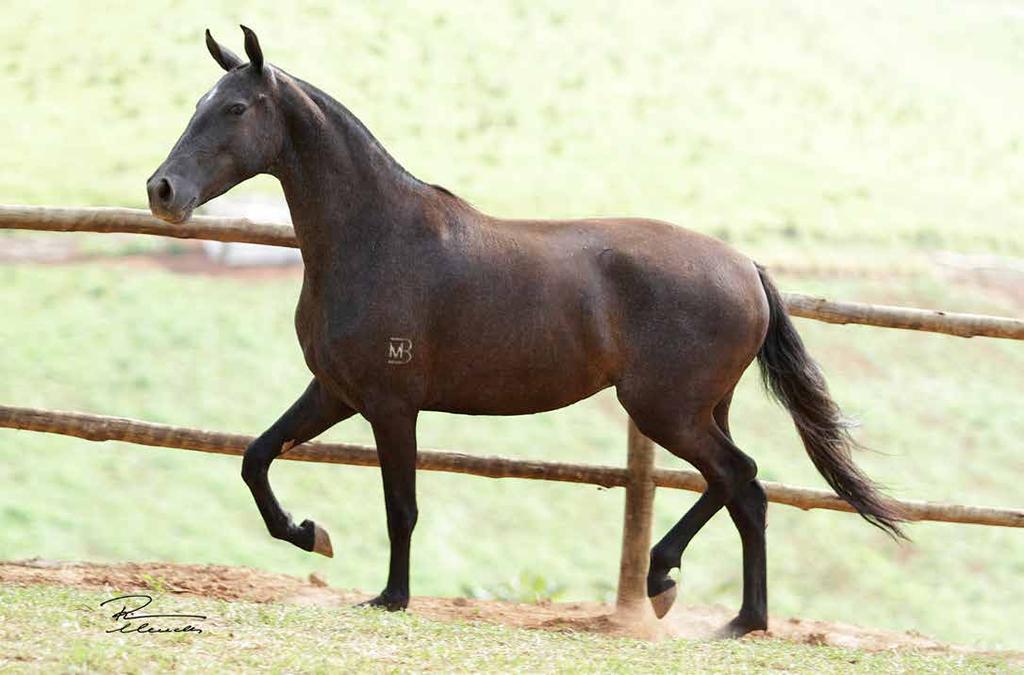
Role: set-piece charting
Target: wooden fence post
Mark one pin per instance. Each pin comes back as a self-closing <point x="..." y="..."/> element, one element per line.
<point x="636" y="526"/>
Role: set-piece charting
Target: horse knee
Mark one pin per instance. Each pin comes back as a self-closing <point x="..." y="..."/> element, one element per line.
<point x="252" y="467"/>
<point x="257" y="458"/>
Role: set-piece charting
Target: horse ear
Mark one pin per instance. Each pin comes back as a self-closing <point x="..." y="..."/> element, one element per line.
<point x="223" y="56"/>
<point x="252" y="49"/>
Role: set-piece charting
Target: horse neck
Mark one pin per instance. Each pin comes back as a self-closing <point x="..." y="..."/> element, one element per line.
<point x="341" y="185"/>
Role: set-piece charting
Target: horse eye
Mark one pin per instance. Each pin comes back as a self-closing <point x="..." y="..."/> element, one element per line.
<point x="236" y="108"/>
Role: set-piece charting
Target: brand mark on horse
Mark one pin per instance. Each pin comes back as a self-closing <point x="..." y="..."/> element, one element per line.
<point x="399" y="350"/>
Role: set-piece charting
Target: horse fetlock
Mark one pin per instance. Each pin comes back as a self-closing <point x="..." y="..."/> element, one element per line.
<point x="662" y="563"/>
<point x="658" y="575"/>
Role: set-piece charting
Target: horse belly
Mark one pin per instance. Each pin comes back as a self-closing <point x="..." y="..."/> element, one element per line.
<point x="527" y="386"/>
<point x="521" y="367"/>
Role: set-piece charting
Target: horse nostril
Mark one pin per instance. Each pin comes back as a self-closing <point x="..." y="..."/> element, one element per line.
<point x="164" y="191"/>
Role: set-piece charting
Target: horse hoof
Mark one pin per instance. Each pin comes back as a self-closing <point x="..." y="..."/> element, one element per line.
<point x="322" y="542"/>
<point x="386" y="603"/>
<point x="662" y="602"/>
<point x="739" y="627"/>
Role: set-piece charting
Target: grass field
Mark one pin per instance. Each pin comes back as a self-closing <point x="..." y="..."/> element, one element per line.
<point x="279" y="638"/>
<point x="861" y="132"/>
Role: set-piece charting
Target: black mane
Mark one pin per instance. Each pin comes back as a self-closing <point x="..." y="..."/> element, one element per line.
<point x="336" y="111"/>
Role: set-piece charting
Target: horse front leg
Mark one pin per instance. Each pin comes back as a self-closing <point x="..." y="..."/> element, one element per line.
<point x="395" y="434"/>
<point x="313" y="413"/>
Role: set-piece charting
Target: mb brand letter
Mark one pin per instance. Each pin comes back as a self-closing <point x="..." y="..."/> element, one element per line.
<point x="399" y="350"/>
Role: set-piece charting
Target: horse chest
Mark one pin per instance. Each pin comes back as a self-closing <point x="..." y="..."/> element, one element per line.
<point x="360" y="345"/>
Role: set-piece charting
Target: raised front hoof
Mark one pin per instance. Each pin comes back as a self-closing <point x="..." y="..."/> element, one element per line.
<point x="739" y="627"/>
<point x="386" y="601"/>
<point x="663" y="601"/>
<point x="321" y="540"/>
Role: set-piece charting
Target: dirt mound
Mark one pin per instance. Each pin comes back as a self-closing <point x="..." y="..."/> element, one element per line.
<point x="245" y="584"/>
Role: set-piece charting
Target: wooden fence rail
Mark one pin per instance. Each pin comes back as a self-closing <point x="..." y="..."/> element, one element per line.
<point x="135" y="221"/>
<point x="102" y="428"/>
<point x="242" y="230"/>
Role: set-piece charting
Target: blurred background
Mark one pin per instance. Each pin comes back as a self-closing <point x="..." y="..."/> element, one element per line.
<point x="866" y="151"/>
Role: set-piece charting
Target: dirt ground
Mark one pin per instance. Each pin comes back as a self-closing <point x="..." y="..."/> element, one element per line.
<point x="249" y="585"/>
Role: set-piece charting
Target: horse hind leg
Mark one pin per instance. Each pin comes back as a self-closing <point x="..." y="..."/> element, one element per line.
<point x="748" y="510"/>
<point x="726" y="470"/>
<point x="698" y="440"/>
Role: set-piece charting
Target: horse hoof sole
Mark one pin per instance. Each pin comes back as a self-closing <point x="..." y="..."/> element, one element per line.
<point x="322" y="542"/>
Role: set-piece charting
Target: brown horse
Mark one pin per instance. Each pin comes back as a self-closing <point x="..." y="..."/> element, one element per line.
<point x="414" y="300"/>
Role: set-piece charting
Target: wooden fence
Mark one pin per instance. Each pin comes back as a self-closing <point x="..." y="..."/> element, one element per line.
<point x="639" y="477"/>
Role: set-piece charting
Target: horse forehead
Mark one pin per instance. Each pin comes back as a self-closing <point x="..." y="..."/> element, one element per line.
<point x="206" y="99"/>
<point x="223" y="86"/>
<point x="208" y="96"/>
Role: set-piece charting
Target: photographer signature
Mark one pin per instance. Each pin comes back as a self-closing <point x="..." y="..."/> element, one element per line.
<point x="138" y="623"/>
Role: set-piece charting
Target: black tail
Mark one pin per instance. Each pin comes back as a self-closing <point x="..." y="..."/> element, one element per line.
<point x="792" y="377"/>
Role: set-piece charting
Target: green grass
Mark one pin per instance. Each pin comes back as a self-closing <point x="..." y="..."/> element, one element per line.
<point x="243" y="637"/>
<point x="221" y="354"/>
<point x="749" y="120"/>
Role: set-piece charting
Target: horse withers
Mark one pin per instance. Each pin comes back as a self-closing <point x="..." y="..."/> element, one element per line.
<point x="413" y="300"/>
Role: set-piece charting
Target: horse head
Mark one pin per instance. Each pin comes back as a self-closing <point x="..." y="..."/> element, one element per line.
<point x="236" y="132"/>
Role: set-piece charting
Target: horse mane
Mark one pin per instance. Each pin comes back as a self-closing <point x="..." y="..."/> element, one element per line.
<point x="337" y="111"/>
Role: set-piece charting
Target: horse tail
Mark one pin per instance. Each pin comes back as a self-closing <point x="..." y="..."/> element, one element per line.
<point x="793" y="378"/>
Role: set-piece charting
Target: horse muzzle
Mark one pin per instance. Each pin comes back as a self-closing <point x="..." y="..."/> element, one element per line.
<point x="170" y="198"/>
